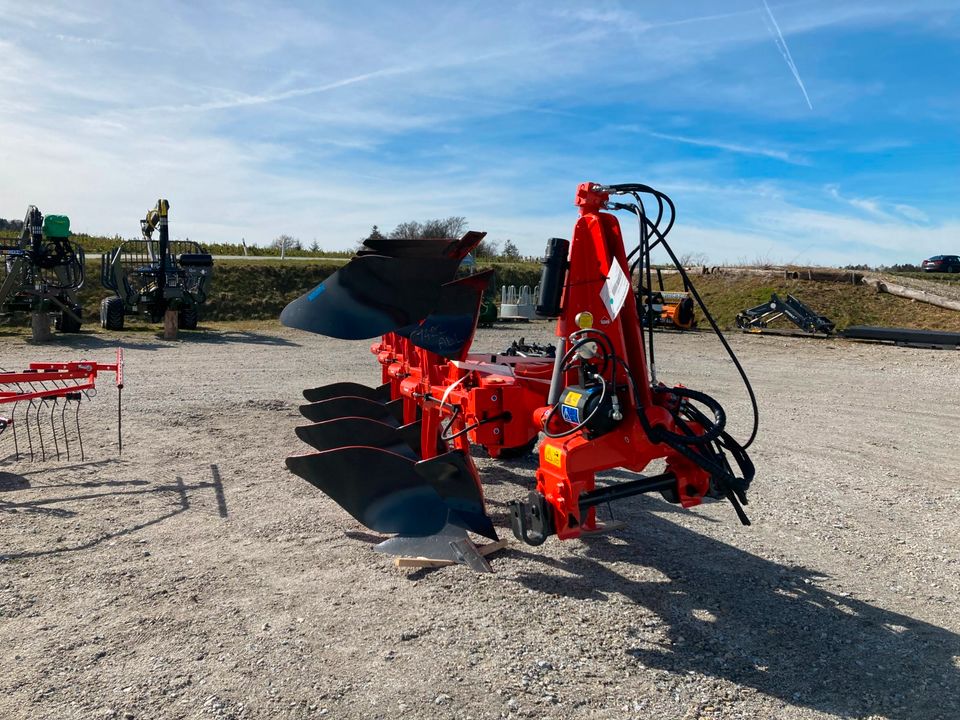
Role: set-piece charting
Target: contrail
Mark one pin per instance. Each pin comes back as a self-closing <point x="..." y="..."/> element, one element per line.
<point x="785" y="51"/>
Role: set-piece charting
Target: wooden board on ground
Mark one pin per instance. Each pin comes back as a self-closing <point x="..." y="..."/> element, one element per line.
<point x="421" y="562"/>
<point x="171" y="324"/>
<point x="40" y="327"/>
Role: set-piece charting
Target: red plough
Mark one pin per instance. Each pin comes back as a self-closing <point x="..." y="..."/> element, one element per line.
<point x="45" y="394"/>
<point x="397" y="457"/>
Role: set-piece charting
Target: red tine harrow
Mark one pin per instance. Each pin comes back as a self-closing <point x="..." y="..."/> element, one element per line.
<point x="52" y="394"/>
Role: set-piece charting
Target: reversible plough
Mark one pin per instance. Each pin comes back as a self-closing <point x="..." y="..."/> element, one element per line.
<point x="397" y="457"/>
<point x="51" y="394"/>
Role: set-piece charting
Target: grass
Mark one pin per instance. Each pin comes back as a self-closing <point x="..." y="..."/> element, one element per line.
<point x="844" y="304"/>
<point x="257" y="290"/>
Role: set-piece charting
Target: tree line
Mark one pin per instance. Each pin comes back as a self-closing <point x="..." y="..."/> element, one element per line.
<point x="450" y="227"/>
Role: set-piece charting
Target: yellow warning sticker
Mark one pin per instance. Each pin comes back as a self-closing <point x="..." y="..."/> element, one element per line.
<point x="552" y="455"/>
<point x="572" y="398"/>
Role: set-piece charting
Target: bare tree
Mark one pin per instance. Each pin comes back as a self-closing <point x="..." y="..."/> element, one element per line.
<point x="693" y="259"/>
<point x="451" y="227"/>
<point x="486" y="249"/>
<point x="286" y="242"/>
<point x="407" y="231"/>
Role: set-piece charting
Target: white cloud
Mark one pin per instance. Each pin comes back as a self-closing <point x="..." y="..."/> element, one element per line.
<point x="277" y="120"/>
<point x="911" y="213"/>
<point x="737" y="148"/>
<point x="880" y="209"/>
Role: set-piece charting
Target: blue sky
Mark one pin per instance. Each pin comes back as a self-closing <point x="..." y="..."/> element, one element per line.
<point x="820" y="132"/>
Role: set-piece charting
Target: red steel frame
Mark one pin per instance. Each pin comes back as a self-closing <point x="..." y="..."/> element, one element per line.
<point x="473" y="393"/>
<point x="76" y="377"/>
<point x="497" y="408"/>
<point x="568" y="465"/>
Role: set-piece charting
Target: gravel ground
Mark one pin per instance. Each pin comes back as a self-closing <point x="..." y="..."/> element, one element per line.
<point x="197" y="578"/>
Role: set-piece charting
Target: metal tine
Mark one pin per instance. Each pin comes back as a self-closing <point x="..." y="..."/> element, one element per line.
<point x="79" y="434"/>
<point x="63" y="417"/>
<point x="26" y="417"/>
<point x="63" y="424"/>
<point x="13" y="420"/>
<point x="43" y="450"/>
<point x="53" y="428"/>
<point x="10" y="430"/>
<point x="39" y="428"/>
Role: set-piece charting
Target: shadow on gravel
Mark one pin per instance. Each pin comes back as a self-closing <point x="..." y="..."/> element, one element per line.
<point x="88" y="340"/>
<point x="149" y="339"/>
<point x="46" y="506"/>
<point x="231" y="337"/>
<point x="9" y="481"/>
<point x="729" y="614"/>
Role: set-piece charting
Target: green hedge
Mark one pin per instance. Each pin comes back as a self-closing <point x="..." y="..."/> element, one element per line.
<point x="259" y="291"/>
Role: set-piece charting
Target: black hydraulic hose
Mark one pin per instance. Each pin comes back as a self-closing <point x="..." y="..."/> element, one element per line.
<point x="447" y="438"/>
<point x="723" y="341"/>
<point x="578" y="342"/>
<point x="636" y="188"/>
<point x="583" y="337"/>
<point x="716" y="427"/>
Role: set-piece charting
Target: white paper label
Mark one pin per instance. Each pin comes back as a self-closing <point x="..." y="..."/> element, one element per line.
<point x="614" y="290"/>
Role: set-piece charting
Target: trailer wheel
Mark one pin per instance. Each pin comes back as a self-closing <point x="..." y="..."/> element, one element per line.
<point x="189" y="317"/>
<point x="66" y="323"/>
<point x="111" y="313"/>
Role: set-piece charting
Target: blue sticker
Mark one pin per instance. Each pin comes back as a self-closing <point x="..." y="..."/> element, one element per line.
<point x="570" y="414"/>
<point x="315" y="292"/>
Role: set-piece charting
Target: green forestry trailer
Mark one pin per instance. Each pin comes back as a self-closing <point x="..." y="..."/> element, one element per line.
<point x="41" y="272"/>
<point x="151" y="277"/>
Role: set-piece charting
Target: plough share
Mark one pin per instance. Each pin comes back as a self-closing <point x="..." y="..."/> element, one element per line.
<point x="397" y="457"/>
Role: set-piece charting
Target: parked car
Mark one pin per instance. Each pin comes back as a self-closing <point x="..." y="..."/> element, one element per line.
<point x="942" y="263"/>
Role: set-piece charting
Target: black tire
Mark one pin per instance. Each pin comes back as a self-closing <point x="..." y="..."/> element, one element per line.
<point x="66" y="323"/>
<point x="685" y="316"/>
<point x="189" y="317"/>
<point x="111" y="313"/>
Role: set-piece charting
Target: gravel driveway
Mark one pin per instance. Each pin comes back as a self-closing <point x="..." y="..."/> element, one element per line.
<point x="197" y="578"/>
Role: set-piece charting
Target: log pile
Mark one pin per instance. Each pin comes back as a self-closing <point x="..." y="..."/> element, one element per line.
<point x="912" y="294"/>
